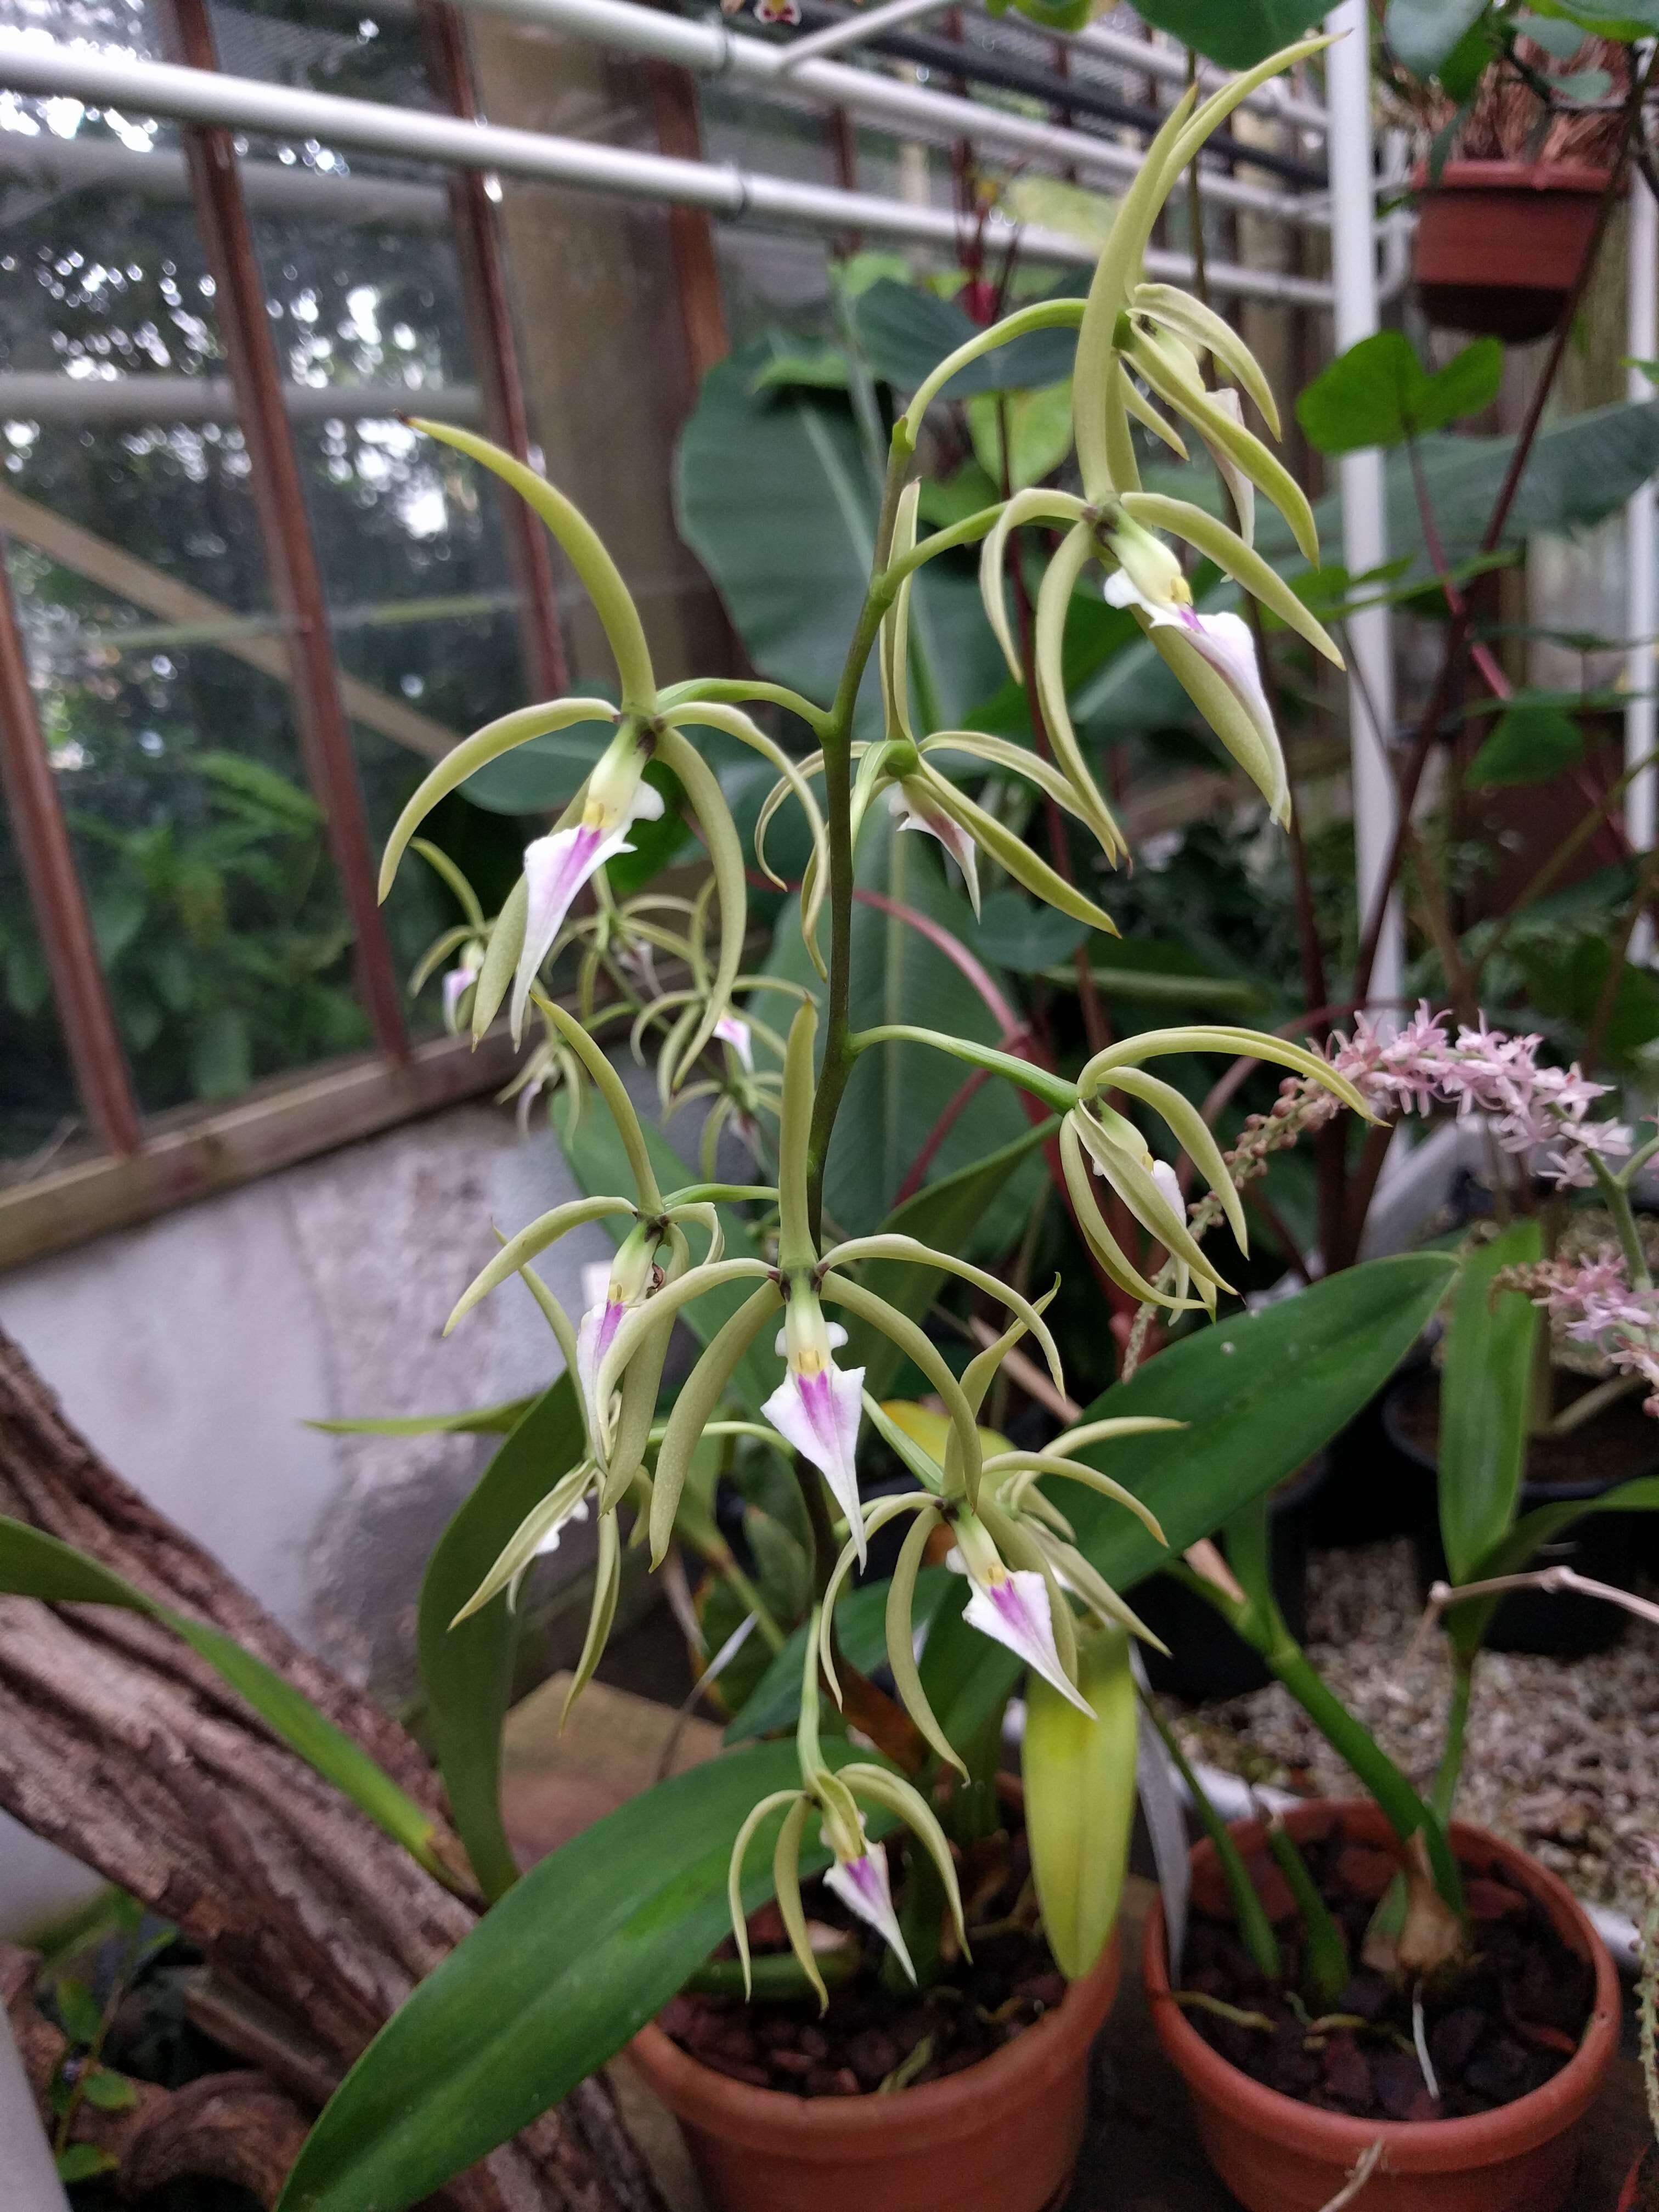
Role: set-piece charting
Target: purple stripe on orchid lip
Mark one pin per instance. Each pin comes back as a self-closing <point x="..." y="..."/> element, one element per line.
<point x="595" y="1335"/>
<point x="1014" y="1610"/>
<point x="864" y="1887"/>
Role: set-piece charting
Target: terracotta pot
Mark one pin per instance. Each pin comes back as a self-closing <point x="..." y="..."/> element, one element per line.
<point x="1499" y="244"/>
<point x="1630" y="2197"/>
<point x="1000" y="2136"/>
<point x="1277" y="2154"/>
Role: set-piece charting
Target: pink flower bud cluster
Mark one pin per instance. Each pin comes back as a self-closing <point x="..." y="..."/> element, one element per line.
<point x="1596" y="1303"/>
<point x="1533" y="1109"/>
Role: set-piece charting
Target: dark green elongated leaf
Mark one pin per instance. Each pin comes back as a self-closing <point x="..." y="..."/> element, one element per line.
<point x="777" y="497"/>
<point x="479" y="1420"/>
<point x="35" y="1565"/>
<point x="1532" y="740"/>
<point x="467" y="1671"/>
<point x="599" y="1163"/>
<point x="1016" y="932"/>
<point x="1238" y="33"/>
<point x="1514" y="1552"/>
<point x="861" y="1626"/>
<point x="586" y="1947"/>
<point x="1618" y="19"/>
<point x="1379" y="393"/>
<point x="1485" y="1394"/>
<point x="1259" y="1395"/>
<point x="944" y="1214"/>
<point x="906" y="332"/>
<point x="1423" y="33"/>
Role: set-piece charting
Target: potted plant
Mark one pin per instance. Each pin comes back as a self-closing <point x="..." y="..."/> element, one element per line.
<point x="1377" y="1973"/>
<point x="1509" y="201"/>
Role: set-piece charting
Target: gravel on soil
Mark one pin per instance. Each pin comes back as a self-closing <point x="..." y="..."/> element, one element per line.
<point x="1562" y="1755"/>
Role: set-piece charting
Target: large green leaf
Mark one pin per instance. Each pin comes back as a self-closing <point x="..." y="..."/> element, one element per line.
<point x="1259" y="1395"/>
<point x="36" y="1564"/>
<point x="898" y="1093"/>
<point x="777" y="497"/>
<point x="467" y="1671"/>
<point x="1238" y="33"/>
<point x="1485" y="1394"/>
<point x="945" y="1214"/>
<point x="1379" y="393"/>
<point x="862" y="1635"/>
<point x="587" y="1947"/>
<point x="1424" y="33"/>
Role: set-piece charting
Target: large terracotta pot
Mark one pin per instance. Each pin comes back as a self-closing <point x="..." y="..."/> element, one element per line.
<point x="1499" y="244"/>
<point x="1277" y="2154"/>
<point x="1000" y="2137"/>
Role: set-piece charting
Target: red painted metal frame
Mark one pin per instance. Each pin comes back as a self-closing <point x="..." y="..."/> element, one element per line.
<point x="484" y="276"/>
<point x="59" y="899"/>
<point x="279" y="498"/>
<point x="690" y="234"/>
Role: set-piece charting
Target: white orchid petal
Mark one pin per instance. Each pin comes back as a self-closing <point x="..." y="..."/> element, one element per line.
<point x="555" y="867"/>
<point x="865" y="1887"/>
<point x="596" y="1332"/>
<point x="819" y="1416"/>
<point x="457" y="983"/>
<point x="1015" y="1611"/>
<point x="1120" y="590"/>
<point x="912" y="812"/>
<point x="733" y="1029"/>
<point x="1226" y="643"/>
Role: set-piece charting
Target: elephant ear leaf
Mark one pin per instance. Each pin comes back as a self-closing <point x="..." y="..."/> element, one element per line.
<point x="35" y="1565"/>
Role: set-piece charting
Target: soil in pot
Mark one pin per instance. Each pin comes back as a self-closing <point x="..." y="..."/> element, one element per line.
<point x="1618" y="1445"/>
<point x="872" y="2037"/>
<point x="1497" y="2029"/>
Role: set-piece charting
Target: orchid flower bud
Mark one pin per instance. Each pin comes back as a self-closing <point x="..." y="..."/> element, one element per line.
<point x="557" y="866"/>
<point x="634" y="1272"/>
<point x="817" y="1407"/>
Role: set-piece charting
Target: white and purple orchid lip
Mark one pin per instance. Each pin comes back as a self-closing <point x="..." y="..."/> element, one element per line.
<point x="817" y="1409"/>
<point x="864" y="1887"/>
<point x="733" y="1029"/>
<point x="555" y="867"/>
<point x="595" y="1335"/>
<point x="912" y="809"/>
<point x="1014" y="1611"/>
<point x="457" y="983"/>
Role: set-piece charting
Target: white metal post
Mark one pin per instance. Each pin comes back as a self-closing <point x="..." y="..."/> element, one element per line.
<point x="1365" y="518"/>
<point x="1642" y="545"/>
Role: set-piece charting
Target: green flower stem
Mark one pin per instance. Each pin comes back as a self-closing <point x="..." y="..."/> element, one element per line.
<point x="1254" y="1928"/>
<point x="1261" y="1624"/>
<point x="1614" y="1190"/>
<point x="969" y="532"/>
<point x="1054" y="1090"/>
<point x="837" y="740"/>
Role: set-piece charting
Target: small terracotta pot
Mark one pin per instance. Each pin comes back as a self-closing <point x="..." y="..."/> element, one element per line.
<point x="1277" y="2154"/>
<point x="1000" y="2137"/>
<point x="1499" y="244"/>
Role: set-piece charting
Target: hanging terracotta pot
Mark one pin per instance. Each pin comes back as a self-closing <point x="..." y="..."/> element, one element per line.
<point x="1500" y="244"/>
<point x="1278" y="2155"/>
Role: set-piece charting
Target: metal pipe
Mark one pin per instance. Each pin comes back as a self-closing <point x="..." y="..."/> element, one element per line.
<point x="191" y="95"/>
<point x="279" y="503"/>
<point x="69" y="164"/>
<point x="856" y="30"/>
<point x="1641" y="545"/>
<point x="712" y="49"/>
<point x="49" y="396"/>
<point x="1364" y="511"/>
<point x="58" y="899"/>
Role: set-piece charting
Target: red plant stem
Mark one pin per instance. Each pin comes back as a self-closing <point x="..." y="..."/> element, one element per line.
<point x="954" y="950"/>
<point x="941" y="1129"/>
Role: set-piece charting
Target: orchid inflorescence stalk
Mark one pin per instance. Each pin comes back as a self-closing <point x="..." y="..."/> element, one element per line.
<point x="1144" y="356"/>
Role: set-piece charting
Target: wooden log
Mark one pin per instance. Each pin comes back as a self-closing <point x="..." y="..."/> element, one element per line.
<point x="119" y="1744"/>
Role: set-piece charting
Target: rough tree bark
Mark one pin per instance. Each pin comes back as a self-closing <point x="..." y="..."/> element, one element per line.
<point x="119" y="1744"/>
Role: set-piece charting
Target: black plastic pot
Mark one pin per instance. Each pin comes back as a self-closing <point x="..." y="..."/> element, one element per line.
<point x="1207" y="1659"/>
<point x="1609" y="1548"/>
<point x="1373" y="1490"/>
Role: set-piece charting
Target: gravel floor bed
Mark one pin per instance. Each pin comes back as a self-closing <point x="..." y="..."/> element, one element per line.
<point x="1562" y="1755"/>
